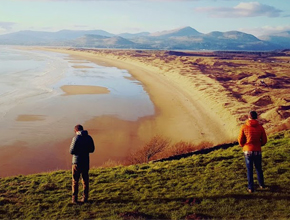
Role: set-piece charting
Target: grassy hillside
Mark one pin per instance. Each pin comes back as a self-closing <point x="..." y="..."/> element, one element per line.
<point x="212" y="185"/>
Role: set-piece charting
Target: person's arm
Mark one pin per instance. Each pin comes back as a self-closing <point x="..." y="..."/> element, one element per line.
<point x="263" y="137"/>
<point x="242" y="138"/>
<point x="92" y="145"/>
<point x="72" y="148"/>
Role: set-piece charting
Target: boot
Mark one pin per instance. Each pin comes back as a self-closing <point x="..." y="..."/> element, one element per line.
<point x="84" y="199"/>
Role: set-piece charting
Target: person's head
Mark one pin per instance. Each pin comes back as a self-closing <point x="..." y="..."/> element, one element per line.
<point x="78" y="128"/>
<point x="253" y="115"/>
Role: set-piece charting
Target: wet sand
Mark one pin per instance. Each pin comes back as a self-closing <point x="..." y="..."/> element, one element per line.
<point x="81" y="66"/>
<point x="30" y="118"/>
<point x="79" y="90"/>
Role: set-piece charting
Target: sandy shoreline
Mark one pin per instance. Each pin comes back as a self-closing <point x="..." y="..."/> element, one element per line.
<point x="182" y="113"/>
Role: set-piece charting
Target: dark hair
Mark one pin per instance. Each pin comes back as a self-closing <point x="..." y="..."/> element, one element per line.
<point x="79" y="128"/>
<point x="253" y="115"/>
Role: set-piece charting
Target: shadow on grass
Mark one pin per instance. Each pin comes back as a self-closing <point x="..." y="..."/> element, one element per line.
<point x="198" y="152"/>
<point x="267" y="195"/>
<point x="273" y="193"/>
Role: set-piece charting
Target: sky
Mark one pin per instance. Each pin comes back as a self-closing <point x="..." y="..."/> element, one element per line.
<point x="257" y="17"/>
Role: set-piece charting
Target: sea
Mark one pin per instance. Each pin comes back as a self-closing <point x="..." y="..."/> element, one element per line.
<point x="30" y="82"/>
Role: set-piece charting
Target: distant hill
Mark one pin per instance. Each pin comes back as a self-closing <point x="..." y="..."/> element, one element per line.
<point x="232" y="35"/>
<point x="129" y="36"/>
<point x="237" y="41"/>
<point x="186" y="31"/>
<point x="186" y="38"/>
<point x="46" y="38"/>
<point x="98" y="41"/>
<point x="282" y="38"/>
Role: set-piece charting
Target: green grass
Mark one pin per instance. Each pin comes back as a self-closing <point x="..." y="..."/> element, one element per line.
<point x="216" y="180"/>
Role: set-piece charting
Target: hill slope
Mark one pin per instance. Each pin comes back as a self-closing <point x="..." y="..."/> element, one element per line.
<point x="207" y="185"/>
<point x="186" y="31"/>
<point x="102" y="41"/>
<point x="282" y="38"/>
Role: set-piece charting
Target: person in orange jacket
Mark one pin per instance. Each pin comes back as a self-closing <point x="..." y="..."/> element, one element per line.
<point x="252" y="137"/>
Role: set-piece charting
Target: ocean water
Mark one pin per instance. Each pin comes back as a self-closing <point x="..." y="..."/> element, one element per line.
<point x="30" y="82"/>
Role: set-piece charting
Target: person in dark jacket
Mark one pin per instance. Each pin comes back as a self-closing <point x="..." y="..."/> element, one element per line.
<point x="81" y="146"/>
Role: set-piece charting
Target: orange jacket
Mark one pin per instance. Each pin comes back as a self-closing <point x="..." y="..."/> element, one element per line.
<point x="252" y="136"/>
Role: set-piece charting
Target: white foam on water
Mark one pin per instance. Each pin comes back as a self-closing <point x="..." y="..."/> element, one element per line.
<point x="25" y="75"/>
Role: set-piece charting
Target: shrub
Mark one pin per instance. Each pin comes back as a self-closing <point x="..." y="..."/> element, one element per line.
<point x="180" y="148"/>
<point x="159" y="147"/>
<point x="183" y="147"/>
<point x="156" y="145"/>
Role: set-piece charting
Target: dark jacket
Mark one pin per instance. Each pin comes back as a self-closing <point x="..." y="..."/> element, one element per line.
<point x="81" y="146"/>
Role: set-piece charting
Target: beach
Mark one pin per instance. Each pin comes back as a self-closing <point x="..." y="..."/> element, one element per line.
<point x="197" y="98"/>
<point x="216" y="88"/>
<point x="182" y="113"/>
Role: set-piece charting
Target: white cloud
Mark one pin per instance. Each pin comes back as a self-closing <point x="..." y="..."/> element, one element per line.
<point x="244" y="9"/>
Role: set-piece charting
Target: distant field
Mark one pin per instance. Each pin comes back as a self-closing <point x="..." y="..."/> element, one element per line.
<point x="211" y="185"/>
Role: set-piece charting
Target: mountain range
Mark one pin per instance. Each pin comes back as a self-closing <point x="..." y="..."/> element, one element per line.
<point x="186" y="38"/>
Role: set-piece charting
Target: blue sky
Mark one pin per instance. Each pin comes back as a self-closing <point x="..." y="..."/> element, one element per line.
<point x="256" y="17"/>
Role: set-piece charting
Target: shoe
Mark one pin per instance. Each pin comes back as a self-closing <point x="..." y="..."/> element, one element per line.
<point x="84" y="200"/>
<point x="250" y="191"/>
<point x="264" y="188"/>
<point x="74" y="200"/>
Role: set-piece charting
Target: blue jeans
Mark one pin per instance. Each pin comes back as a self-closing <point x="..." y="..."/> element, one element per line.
<point x="254" y="158"/>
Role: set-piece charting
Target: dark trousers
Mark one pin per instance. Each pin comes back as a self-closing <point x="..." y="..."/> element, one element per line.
<point x="254" y="158"/>
<point x="77" y="171"/>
